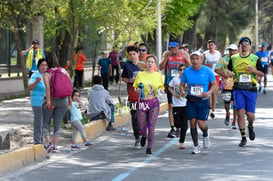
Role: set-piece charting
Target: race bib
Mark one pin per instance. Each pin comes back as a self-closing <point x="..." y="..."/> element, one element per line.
<point x="244" y="78"/>
<point x="226" y="96"/>
<point x="174" y="73"/>
<point x="264" y="59"/>
<point x="196" y="90"/>
<point x="271" y="58"/>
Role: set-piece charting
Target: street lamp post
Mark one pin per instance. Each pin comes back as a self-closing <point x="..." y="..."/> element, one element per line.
<point x="257" y="25"/>
<point x="158" y="34"/>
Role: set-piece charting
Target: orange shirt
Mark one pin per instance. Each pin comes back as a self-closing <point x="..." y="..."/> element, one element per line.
<point x="80" y="60"/>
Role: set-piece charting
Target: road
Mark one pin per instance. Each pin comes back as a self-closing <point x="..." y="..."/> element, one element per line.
<point x="113" y="156"/>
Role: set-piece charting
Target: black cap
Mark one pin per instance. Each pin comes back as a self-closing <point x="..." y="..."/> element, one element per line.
<point x="244" y="39"/>
<point x="211" y="41"/>
<point x="97" y="79"/>
<point x="35" y="41"/>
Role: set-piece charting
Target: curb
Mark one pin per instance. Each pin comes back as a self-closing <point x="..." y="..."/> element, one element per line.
<point x="36" y="153"/>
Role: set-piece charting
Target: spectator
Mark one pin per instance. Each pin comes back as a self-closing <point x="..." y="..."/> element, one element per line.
<point x="100" y="104"/>
<point x="105" y="69"/>
<point x="79" y="58"/>
<point x="37" y="91"/>
<point x="53" y="107"/>
<point x="114" y="56"/>
<point x="76" y="117"/>
<point x="33" y="54"/>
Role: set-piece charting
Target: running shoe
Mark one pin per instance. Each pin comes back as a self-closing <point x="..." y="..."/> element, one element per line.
<point x="227" y="119"/>
<point x="110" y="128"/>
<point x="88" y="144"/>
<point x="137" y="142"/>
<point x="251" y="133"/>
<point x="182" y="146"/>
<point x="260" y="89"/>
<point x="177" y="132"/>
<point x="149" y="152"/>
<point x="212" y="115"/>
<point x="233" y="125"/>
<point x="75" y="147"/>
<point x="196" y="150"/>
<point x="143" y="141"/>
<point x="265" y="92"/>
<point x="243" y="142"/>
<point x="49" y="147"/>
<point x="171" y="134"/>
<point x="206" y="142"/>
<point x="55" y="150"/>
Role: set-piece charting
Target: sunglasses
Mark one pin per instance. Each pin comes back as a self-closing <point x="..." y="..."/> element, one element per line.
<point x="142" y="50"/>
<point x="245" y="42"/>
<point x="181" y="69"/>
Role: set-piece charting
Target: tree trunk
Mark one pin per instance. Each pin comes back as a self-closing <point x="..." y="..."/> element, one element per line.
<point x="19" y="49"/>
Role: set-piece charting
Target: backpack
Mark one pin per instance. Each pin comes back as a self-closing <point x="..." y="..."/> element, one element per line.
<point x="60" y="84"/>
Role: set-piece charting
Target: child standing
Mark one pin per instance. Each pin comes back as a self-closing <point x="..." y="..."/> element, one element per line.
<point x="179" y="107"/>
<point x="105" y="68"/>
<point x="76" y="118"/>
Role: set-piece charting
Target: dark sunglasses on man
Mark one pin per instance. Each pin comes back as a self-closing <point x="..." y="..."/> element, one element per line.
<point x="142" y="50"/>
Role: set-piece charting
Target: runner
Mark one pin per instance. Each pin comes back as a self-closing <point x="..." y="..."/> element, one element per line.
<point x="264" y="57"/>
<point x="170" y="62"/>
<point x="221" y="69"/>
<point x="198" y="77"/>
<point x="130" y="70"/>
<point x="210" y="58"/>
<point x="179" y="107"/>
<point x="245" y="68"/>
<point x="147" y="84"/>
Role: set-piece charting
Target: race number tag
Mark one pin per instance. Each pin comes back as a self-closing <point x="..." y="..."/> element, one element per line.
<point x="174" y="73"/>
<point x="264" y="59"/>
<point x="196" y="90"/>
<point x="244" y="78"/>
<point x="226" y="96"/>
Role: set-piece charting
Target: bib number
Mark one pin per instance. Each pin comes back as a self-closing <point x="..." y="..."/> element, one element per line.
<point x="196" y="90"/>
<point x="174" y="73"/>
<point x="227" y="96"/>
<point x="264" y="59"/>
<point x="244" y="78"/>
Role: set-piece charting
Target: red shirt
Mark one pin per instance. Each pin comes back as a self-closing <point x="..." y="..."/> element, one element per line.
<point x="80" y="60"/>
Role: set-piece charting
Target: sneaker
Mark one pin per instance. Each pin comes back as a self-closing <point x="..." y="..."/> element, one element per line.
<point x="212" y="115"/>
<point x="233" y="125"/>
<point x="196" y="150"/>
<point x="182" y="146"/>
<point x="149" y="152"/>
<point x="265" y="92"/>
<point x="177" y="132"/>
<point x="243" y="142"/>
<point x="260" y="89"/>
<point x="251" y="133"/>
<point x="49" y="147"/>
<point x="88" y="144"/>
<point x="143" y="141"/>
<point x="110" y="128"/>
<point x="171" y="134"/>
<point x="206" y="142"/>
<point x="55" y="150"/>
<point x="227" y="120"/>
<point x="75" y="147"/>
<point x="137" y="142"/>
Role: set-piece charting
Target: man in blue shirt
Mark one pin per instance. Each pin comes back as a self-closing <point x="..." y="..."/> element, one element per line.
<point x="264" y="58"/>
<point x="105" y="68"/>
<point x="198" y="77"/>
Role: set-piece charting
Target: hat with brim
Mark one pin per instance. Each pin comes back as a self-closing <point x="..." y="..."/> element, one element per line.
<point x="173" y="44"/>
<point x="104" y="52"/>
<point x="245" y="39"/>
<point x="35" y="42"/>
<point x="184" y="45"/>
<point x="264" y="45"/>
<point x="196" y="53"/>
<point x="232" y="47"/>
<point x="211" y="41"/>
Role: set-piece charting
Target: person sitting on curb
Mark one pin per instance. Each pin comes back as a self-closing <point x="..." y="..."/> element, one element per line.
<point x="101" y="105"/>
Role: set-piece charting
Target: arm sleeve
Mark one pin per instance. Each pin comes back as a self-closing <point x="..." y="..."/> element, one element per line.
<point x="259" y="65"/>
<point x="230" y="65"/>
<point x="171" y="83"/>
<point x="125" y="72"/>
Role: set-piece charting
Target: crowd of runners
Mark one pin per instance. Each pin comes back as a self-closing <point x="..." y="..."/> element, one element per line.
<point x="192" y="81"/>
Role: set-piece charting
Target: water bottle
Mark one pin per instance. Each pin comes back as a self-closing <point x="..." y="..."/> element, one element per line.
<point x="141" y="87"/>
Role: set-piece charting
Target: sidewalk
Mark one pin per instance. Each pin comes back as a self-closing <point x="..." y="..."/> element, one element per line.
<point x="16" y="114"/>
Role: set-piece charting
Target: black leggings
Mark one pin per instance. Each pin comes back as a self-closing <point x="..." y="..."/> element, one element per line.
<point x="78" y="78"/>
<point x="180" y="121"/>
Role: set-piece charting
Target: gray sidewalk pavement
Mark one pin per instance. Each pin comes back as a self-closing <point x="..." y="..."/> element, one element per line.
<point x="17" y="113"/>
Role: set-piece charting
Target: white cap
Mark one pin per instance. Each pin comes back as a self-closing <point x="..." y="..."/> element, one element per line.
<point x="232" y="47"/>
<point x="196" y="53"/>
<point x="104" y="52"/>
